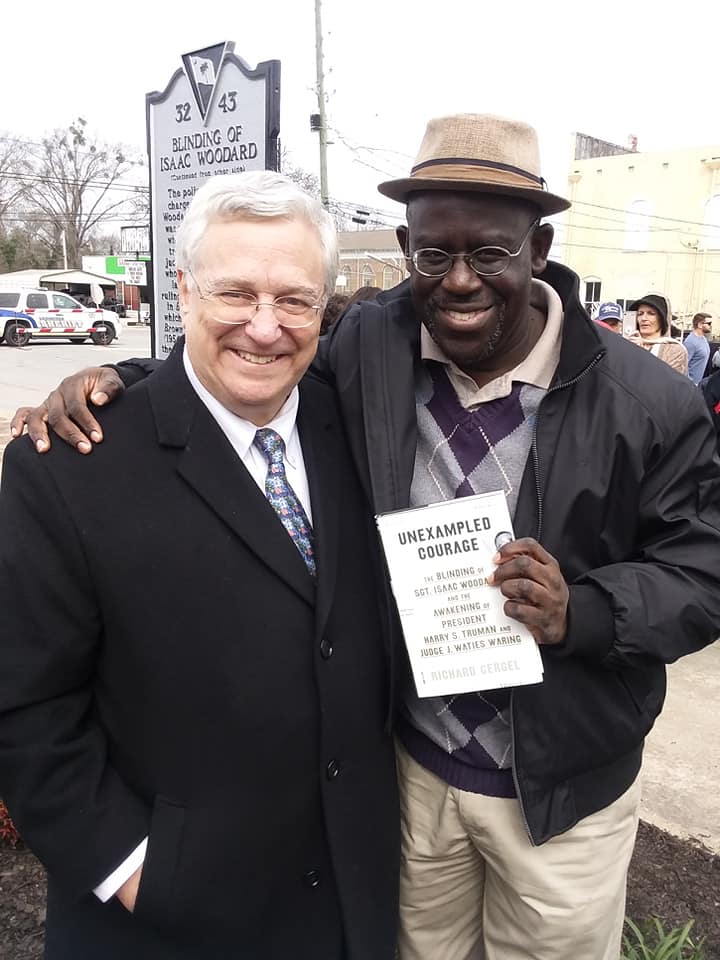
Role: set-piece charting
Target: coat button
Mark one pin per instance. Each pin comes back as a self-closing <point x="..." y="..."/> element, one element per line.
<point x="332" y="770"/>
<point x="326" y="649"/>
<point x="312" y="879"/>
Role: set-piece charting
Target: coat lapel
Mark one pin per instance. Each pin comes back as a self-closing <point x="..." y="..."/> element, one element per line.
<point x="387" y="351"/>
<point x="320" y="436"/>
<point x="208" y="463"/>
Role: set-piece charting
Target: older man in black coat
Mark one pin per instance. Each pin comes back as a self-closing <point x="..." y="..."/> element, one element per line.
<point x="193" y="684"/>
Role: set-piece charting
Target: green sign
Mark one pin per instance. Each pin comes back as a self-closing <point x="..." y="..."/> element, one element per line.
<point x="112" y="266"/>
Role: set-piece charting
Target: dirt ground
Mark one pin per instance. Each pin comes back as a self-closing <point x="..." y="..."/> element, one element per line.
<point x="22" y="905"/>
<point x="676" y="880"/>
<point x="669" y="878"/>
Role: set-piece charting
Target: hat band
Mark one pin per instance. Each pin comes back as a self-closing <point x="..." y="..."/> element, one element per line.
<point x="486" y="171"/>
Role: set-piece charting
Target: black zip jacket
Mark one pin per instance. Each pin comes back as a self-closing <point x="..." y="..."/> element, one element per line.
<point x="621" y="487"/>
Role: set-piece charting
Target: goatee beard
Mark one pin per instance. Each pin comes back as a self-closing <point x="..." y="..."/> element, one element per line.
<point x="469" y="360"/>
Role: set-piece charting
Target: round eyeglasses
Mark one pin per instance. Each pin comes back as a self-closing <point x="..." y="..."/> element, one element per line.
<point x="485" y="261"/>
<point x="235" y="307"/>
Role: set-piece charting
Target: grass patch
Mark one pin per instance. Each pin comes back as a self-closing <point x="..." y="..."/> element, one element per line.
<point x="650" y="941"/>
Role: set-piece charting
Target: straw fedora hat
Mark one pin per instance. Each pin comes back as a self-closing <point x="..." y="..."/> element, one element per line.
<point x="481" y="153"/>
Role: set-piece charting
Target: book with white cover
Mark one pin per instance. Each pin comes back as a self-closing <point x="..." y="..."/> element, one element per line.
<point x="458" y="637"/>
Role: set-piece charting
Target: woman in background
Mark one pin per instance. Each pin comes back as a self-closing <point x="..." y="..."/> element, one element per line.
<point x="653" y="331"/>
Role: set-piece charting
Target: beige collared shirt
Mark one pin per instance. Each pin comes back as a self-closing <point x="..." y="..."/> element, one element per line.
<point x="538" y="367"/>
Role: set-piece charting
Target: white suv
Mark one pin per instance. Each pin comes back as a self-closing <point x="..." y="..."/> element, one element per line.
<point x="36" y="314"/>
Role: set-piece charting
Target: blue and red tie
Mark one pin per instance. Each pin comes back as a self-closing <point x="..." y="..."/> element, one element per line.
<point x="283" y="498"/>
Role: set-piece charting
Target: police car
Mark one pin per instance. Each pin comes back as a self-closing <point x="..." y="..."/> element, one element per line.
<point x="37" y="314"/>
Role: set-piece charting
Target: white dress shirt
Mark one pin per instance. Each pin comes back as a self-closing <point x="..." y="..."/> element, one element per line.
<point x="240" y="433"/>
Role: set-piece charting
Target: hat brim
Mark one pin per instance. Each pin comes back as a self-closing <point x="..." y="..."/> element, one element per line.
<point x="402" y="190"/>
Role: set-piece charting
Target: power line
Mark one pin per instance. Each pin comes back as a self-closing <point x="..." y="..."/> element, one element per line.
<point x="67" y="181"/>
<point x="652" y="216"/>
<point x="712" y="230"/>
<point x="670" y="253"/>
<point x="354" y="147"/>
<point x="69" y="221"/>
<point x="358" y="205"/>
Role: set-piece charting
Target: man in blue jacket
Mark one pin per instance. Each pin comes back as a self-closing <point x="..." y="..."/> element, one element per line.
<point x="697" y="346"/>
<point x="483" y="372"/>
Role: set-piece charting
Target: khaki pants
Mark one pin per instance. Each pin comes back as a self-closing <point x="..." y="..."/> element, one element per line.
<point x="472" y="886"/>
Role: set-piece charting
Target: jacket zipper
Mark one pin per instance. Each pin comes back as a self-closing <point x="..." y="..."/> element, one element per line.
<point x="536" y="467"/>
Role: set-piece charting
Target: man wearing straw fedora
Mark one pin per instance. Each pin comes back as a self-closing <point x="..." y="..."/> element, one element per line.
<point x="483" y="372"/>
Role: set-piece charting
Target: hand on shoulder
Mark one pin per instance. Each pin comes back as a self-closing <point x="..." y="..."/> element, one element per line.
<point x="66" y="409"/>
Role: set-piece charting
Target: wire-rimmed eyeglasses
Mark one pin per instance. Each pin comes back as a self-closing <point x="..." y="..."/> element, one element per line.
<point x="485" y="261"/>
<point x="235" y="307"/>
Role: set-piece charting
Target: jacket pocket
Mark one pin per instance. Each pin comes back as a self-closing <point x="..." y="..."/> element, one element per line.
<point x="646" y="689"/>
<point x="155" y="902"/>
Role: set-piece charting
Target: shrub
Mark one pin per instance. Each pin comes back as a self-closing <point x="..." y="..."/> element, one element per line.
<point x="8" y="834"/>
<point x="649" y="941"/>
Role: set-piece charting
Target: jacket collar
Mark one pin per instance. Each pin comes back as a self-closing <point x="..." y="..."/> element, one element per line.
<point x="581" y="343"/>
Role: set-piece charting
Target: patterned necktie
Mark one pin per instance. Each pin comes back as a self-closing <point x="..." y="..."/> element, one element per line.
<point x="283" y="498"/>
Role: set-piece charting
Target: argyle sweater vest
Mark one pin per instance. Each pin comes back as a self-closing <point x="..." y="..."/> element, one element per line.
<point x="466" y="740"/>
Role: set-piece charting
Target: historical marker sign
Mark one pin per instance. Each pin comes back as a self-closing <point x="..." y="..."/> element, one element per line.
<point x="216" y="116"/>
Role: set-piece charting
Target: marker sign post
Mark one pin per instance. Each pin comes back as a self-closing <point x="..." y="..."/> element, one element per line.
<point x="216" y="116"/>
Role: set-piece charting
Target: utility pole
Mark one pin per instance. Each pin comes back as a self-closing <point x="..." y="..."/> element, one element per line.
<point x="322" y="127"/>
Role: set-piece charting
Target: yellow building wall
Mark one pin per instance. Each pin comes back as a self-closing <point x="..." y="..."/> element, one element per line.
<point x="681" y="252"/>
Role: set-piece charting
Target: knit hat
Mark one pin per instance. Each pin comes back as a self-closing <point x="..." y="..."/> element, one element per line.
<point x="481" y="153"/>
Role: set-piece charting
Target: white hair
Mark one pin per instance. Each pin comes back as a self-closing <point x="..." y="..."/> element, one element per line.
<point x="253" y="195"/>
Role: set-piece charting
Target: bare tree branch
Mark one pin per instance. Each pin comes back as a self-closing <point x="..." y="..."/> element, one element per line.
<point x="74" y="184"/>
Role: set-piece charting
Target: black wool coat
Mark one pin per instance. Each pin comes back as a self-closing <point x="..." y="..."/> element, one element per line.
<point x="169" y="669"/>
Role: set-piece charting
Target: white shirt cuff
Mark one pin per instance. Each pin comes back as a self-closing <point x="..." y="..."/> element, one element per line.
<point x="110" y="886"/>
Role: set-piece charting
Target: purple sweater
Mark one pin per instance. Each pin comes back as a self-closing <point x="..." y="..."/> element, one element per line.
<point x="466" y="740"/>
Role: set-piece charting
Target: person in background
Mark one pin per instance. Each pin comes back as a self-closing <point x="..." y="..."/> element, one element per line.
<point x="364" y="293"/>
<point x="653" y="331"/>
<point x="697" y="346"/>
<point x="361" y="295"/>
<point x="610" y="315"/>
<point x="710" y="387"/>
<point x="334" y="307"/>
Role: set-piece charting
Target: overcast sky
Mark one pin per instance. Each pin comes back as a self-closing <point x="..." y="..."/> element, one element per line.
<point x="609" y="69"/>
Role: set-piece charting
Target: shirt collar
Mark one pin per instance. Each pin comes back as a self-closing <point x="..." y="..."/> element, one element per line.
<point x="241" y="432"/>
